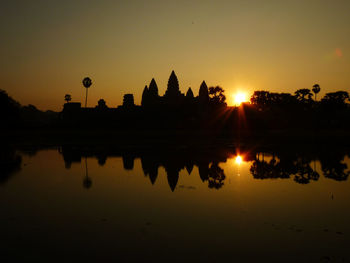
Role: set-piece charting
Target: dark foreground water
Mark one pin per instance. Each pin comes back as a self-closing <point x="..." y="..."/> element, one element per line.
<point x="68" y="204"/>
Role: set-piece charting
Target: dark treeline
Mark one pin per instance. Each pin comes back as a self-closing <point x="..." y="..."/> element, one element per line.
<point x="299" y="111"/>
<point x="14" y="115"/>
<point x="185" y="111"/>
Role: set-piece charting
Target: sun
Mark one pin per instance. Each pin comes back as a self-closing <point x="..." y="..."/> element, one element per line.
<point x="239" y="98"/>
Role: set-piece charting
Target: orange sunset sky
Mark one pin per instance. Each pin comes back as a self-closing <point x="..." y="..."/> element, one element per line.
<point x="47" y="47"/>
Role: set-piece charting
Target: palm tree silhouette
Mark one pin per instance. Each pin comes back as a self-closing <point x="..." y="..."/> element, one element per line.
<point x="67" y="97"/>
<point x="87" y="83"/>
<point x="316" y="89"/>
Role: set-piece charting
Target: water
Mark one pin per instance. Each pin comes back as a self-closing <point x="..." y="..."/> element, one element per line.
<point x="94" y="204"/>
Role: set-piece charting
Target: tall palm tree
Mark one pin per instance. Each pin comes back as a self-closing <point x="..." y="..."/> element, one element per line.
<point x="316" y="89"/>
<point x="87" y="83"/>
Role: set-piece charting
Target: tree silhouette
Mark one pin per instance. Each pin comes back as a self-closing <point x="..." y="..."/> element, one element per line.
<point x="217" y="96"/>
<point x="87" y="83"/>
<point x="316" y="89"/>
<point x="338" y="97"/>
<point x="67" y="98"/>
<point x="303" y="95"/>
<point x="9" y="109"/>
<point x="281" y="99"/>
<point x="260" y="98"/>
<point x="101" y="104"/>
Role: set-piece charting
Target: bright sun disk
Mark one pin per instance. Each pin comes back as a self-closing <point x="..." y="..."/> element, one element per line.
<point x="239" y="98"/>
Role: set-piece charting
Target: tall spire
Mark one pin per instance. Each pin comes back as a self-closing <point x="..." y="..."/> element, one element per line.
<point x="173" y="89"/>
<point x="153" y="88"/>
<point x="203" y="93"/>
<point x="145" y="96"/>
<point x="189" y="93"/>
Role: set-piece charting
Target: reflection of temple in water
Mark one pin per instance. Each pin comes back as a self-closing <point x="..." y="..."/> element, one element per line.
<point x="265" y="164"/>
<point x="282" y="162"/>
<point x="172" y="161"/>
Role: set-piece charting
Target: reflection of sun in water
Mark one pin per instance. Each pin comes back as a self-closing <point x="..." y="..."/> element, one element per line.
<point x="238" y="162"/>
<point x="239" y="98"/>
<point x="238" y="159"/>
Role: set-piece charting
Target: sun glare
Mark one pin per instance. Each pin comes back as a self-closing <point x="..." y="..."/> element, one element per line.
<point x="239" y="98"/>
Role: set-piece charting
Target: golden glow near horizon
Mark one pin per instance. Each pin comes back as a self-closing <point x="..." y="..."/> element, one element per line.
<point x="239" y="97"/>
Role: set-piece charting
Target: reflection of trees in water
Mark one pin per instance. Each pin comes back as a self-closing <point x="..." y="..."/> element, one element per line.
<point x="284" y="169"/>
<point x="299" y="165"/>
<point x="262" y="169"/>
<point x="333" y="166"/>
<point x="216" y="176"/>
<point x="10" y="163"/>
<point x="304" y="172"/>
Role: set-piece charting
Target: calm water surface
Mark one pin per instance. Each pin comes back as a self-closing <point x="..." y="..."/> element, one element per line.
<point x="174" y="206"/>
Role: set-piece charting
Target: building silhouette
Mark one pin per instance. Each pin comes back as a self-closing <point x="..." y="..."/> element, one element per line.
<point x="173" y="109"/>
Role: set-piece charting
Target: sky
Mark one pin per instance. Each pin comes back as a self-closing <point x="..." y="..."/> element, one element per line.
<point x="48" y="47"/>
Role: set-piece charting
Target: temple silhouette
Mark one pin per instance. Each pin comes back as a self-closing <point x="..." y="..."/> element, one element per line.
<point x="208" y="111"/>
<point x="173" y="109"/>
